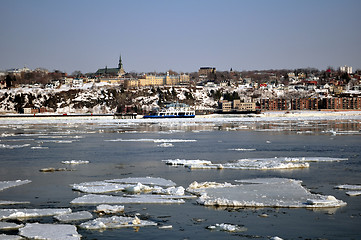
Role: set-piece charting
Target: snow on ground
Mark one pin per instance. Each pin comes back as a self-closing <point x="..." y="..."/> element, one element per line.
<point x="75" y="216"/>
<point x="264" y="192"/>
<point x="50" y="231"/>
<point x="116" y="222"/>
<point x="31" y="213"/>
<point x="227" y="227"/>
<point x="9" y="184"/>
<point x="92" y="199"/>
<point x="254" y="163"/>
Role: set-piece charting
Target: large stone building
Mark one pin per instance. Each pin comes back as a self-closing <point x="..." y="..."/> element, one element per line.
<point x="112" y="72"/>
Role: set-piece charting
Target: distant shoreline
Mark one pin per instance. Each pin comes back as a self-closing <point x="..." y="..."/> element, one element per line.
<point x="265" y="114"/>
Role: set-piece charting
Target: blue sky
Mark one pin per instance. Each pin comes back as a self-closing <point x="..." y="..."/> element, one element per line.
<point x="158" y="35"/>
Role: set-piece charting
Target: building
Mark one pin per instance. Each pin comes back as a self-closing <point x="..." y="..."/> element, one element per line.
<point x="346" y="69"/>
<point x="305" y="104"/>
<point x="112" y="72"/>
<point x="274" y="104"/>
<point x="204" y="71"/>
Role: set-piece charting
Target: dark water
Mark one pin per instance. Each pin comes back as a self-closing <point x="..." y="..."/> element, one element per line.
<point x="111" y="159"/>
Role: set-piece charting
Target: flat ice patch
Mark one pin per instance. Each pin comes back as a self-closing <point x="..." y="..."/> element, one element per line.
<point x="152" y="140"/>
<point x="50" y="231"/>
<point x="165" y="145"/>
<point x="145" y="180"/>
<point x="10" y="237"/>
<point x="7" y="146"/>
<point x="116" y="222"/>
<point x="254" y="163"/>
<point x="75" y="216"/>
<point x="109" y="209"/>
<point x="9" y="184"/>
<point x="75" y="162"/>
<point x="353" y="193"/>
<point x="242" y="149"/>
<point x="10" y="226"/>
<point x="349" y="187"/>
<point x="12" y="202"/>
<point x="264" y="192"/>
<point x="31" y="213"/>
<point x="133" y="185"/>
<point x="227" y="227"/>
<point x="92" y="199"/>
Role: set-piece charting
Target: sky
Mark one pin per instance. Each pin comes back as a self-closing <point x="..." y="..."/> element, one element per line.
<point x="162" y="35"/>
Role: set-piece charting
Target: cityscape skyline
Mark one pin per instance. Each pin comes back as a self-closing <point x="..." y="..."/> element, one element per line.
<point x="180" y="35"/>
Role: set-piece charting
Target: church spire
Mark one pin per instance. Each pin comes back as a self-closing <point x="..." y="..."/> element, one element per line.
<point x="121" y="71"/>
<point x="120" y="64"/>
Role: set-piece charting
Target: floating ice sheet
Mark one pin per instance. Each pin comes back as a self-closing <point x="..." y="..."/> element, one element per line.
<point x="7" y="146"/>
<point x="30" y="213"/>
<point x="152" y="140"/>
<point x="133" y="185"/>
<point x="10" y="226"/>
<point x="75" y="216"/>
<point x="50" y="231"/>
<point x="12" y="202"/>
<point x="92" y="199"/>
<point x="227" y="227"/>
<point x="349" y="187"/>
<point x="109" y="209"/>
<point x="10" y="237"/>
<point x="9" y="184"/>
<point x="145" y="180"/>
<point x="116" y="222"/>
<point x="353" y="193"/>
<point x="265" y="192"/>
<point x="242" y="149"/>
<point x="254" y="163"/>
<point x="75" y="162"/>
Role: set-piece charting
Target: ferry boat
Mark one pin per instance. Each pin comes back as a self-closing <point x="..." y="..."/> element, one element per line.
<point x="174" y="111"/>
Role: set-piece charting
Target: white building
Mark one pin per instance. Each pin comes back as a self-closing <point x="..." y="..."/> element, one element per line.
<point x="346" y="69"/>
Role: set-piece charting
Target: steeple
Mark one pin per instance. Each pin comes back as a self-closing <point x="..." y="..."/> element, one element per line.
<point x="120" y="64"/>
<point x="121" y="71"/>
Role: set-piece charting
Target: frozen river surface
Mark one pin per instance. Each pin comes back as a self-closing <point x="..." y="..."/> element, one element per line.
<point x="59" y="162"/>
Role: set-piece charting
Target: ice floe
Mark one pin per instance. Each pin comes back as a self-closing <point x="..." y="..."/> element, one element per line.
<point x="263" y="192"/>
<point x="152" y="140"/>
<point x="349" y="187"/>
<point x="165" y="145"/>
<point x="10" y="226"/>
<point x="92" y="199"/>
<point x="75" y="216"/>
<point x="353" y="193"/>
<point x="109" y="209"/>
<point x="50" y="231"/>
<point x="227" y="227"/>
<point x="132" y="185"/>
<point x="7" y="146"/>
<point x="75" y="162"/>
<point x="10" y="237"/>
<point x="116" y="222"/>
<point x="12" y="202"/>
<point x="9" y="184"/>
<point x="31" y="213"/>
<point x="254" y="163"/>
<point x="242" y="149"/>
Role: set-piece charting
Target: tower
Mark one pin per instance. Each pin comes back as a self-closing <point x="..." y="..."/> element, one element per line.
<point x="121" y="71"/>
